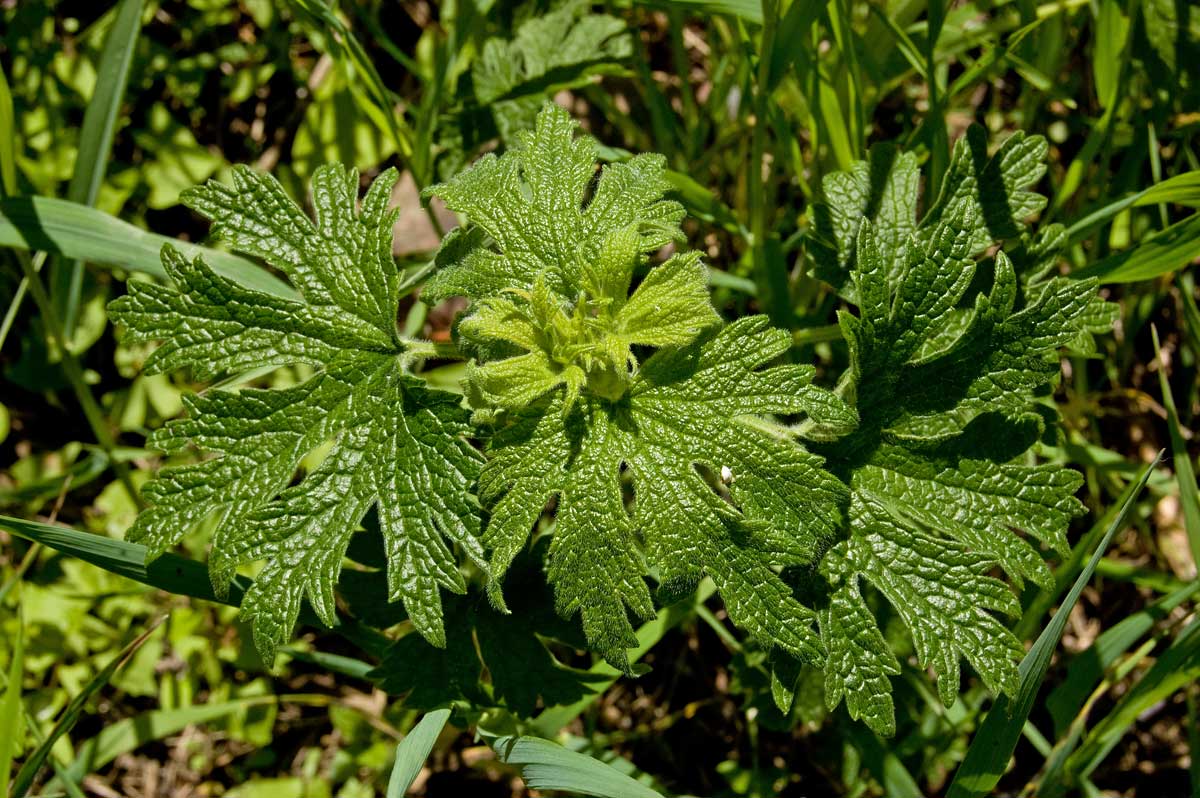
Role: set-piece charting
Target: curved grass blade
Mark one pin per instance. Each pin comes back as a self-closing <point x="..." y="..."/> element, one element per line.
<point x="95" y="142"/>
<point x="72" y="230"/>
<point x="549" y="766"/>
<point x="129" y="734"/>
<point x="988" y="755"/>
<point x="170" y="572"/>
<point x="1087" y="669"/>
<point x="74" y="710"/>
<point x="1111" y="31"/>
<point x="413" y="750"/>
<point x="381" y="106"/>
<point x="1183" y="189"/>
<point x="1166" y="251"/>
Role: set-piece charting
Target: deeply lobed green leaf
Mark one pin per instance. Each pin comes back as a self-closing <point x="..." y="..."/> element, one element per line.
<point x="715" y="492"/>
<point x="391" y="442"/>
<point x="528" y="204"/>
<point x="616" y="395"/>
<point x="684" y="415"/>
<point x="949" y="354"/>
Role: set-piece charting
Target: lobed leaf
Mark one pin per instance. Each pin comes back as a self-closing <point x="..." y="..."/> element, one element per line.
<point x="391" y="442"/>
<point x="949" y="354"/>
<point x="529" y="205"/>
<point x="684" y="414"/>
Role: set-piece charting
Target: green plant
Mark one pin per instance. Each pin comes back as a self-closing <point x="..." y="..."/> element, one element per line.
<point x="903" y="478"/>
<point x="761" y="111"/>
<point x="396" y="444"/>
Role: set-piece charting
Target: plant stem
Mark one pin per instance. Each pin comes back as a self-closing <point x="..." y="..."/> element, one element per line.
<point x="74" y="372"/>
<point x="14" y="307"/>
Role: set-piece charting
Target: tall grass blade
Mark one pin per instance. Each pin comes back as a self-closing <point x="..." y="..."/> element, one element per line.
<point x="380" y="106"/>
<point x="1082" y="161"/>
<point x="988" y="755"/>
<point x="73" y="711"/>
<point x="834" y="125"/>
<point x="12" y="715"/>
<point x="129" y="734"/>
<point x="72" y="230"/>
<point x="1112" y="28"/>
<point x="169" y="572"/>
<point x="939" y="140"/>
<point x="549" y="766"/>
<point x="1069" y="569"/>
<point x="794" y="35"/>
<point x="1185" y="473"/>
<point x="1181" y="189"/>
<point x="95" y="143"/>
<point x="8" y="141"/>
<point x="413" y="750"/>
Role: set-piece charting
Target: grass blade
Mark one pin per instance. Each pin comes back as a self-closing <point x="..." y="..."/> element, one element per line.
<point x="73" y="711"/>
<point x="1168" y="250"/>
<point x="1185" y="474"/>
<point x="549" y="766"/>
<point x="1111" y="31"/>
<point x="793" y="35"/>
<point x="413" y="750"/>
<point x="8" y="140"/>
<point x="95" y="143"/>
<point x="1085" y="670"/>
<point x="11" y="713"/>
<point x="169" y="572"/>
<point x="129" y="734"/>
<point x="72" y="230"/>
<point x="1181" y="189"/>
<point x="1178" y="667"/>
<point x="1068" y="570"/>
<point x="988" y="755"/>
<point x="381" y="106"/>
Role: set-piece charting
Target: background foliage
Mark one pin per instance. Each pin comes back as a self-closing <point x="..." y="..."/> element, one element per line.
<point x="120" y="109"/>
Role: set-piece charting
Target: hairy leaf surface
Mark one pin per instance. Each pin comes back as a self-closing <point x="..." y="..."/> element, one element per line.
<point x="543" y="52"/>
<point x="562" y="48"/>
<point x="715" y="492"/>
<point x="949" y="354"/>
<point x="391" y="442"/>
<point x="528" y="206"/>
<point x="683" y="416"/>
